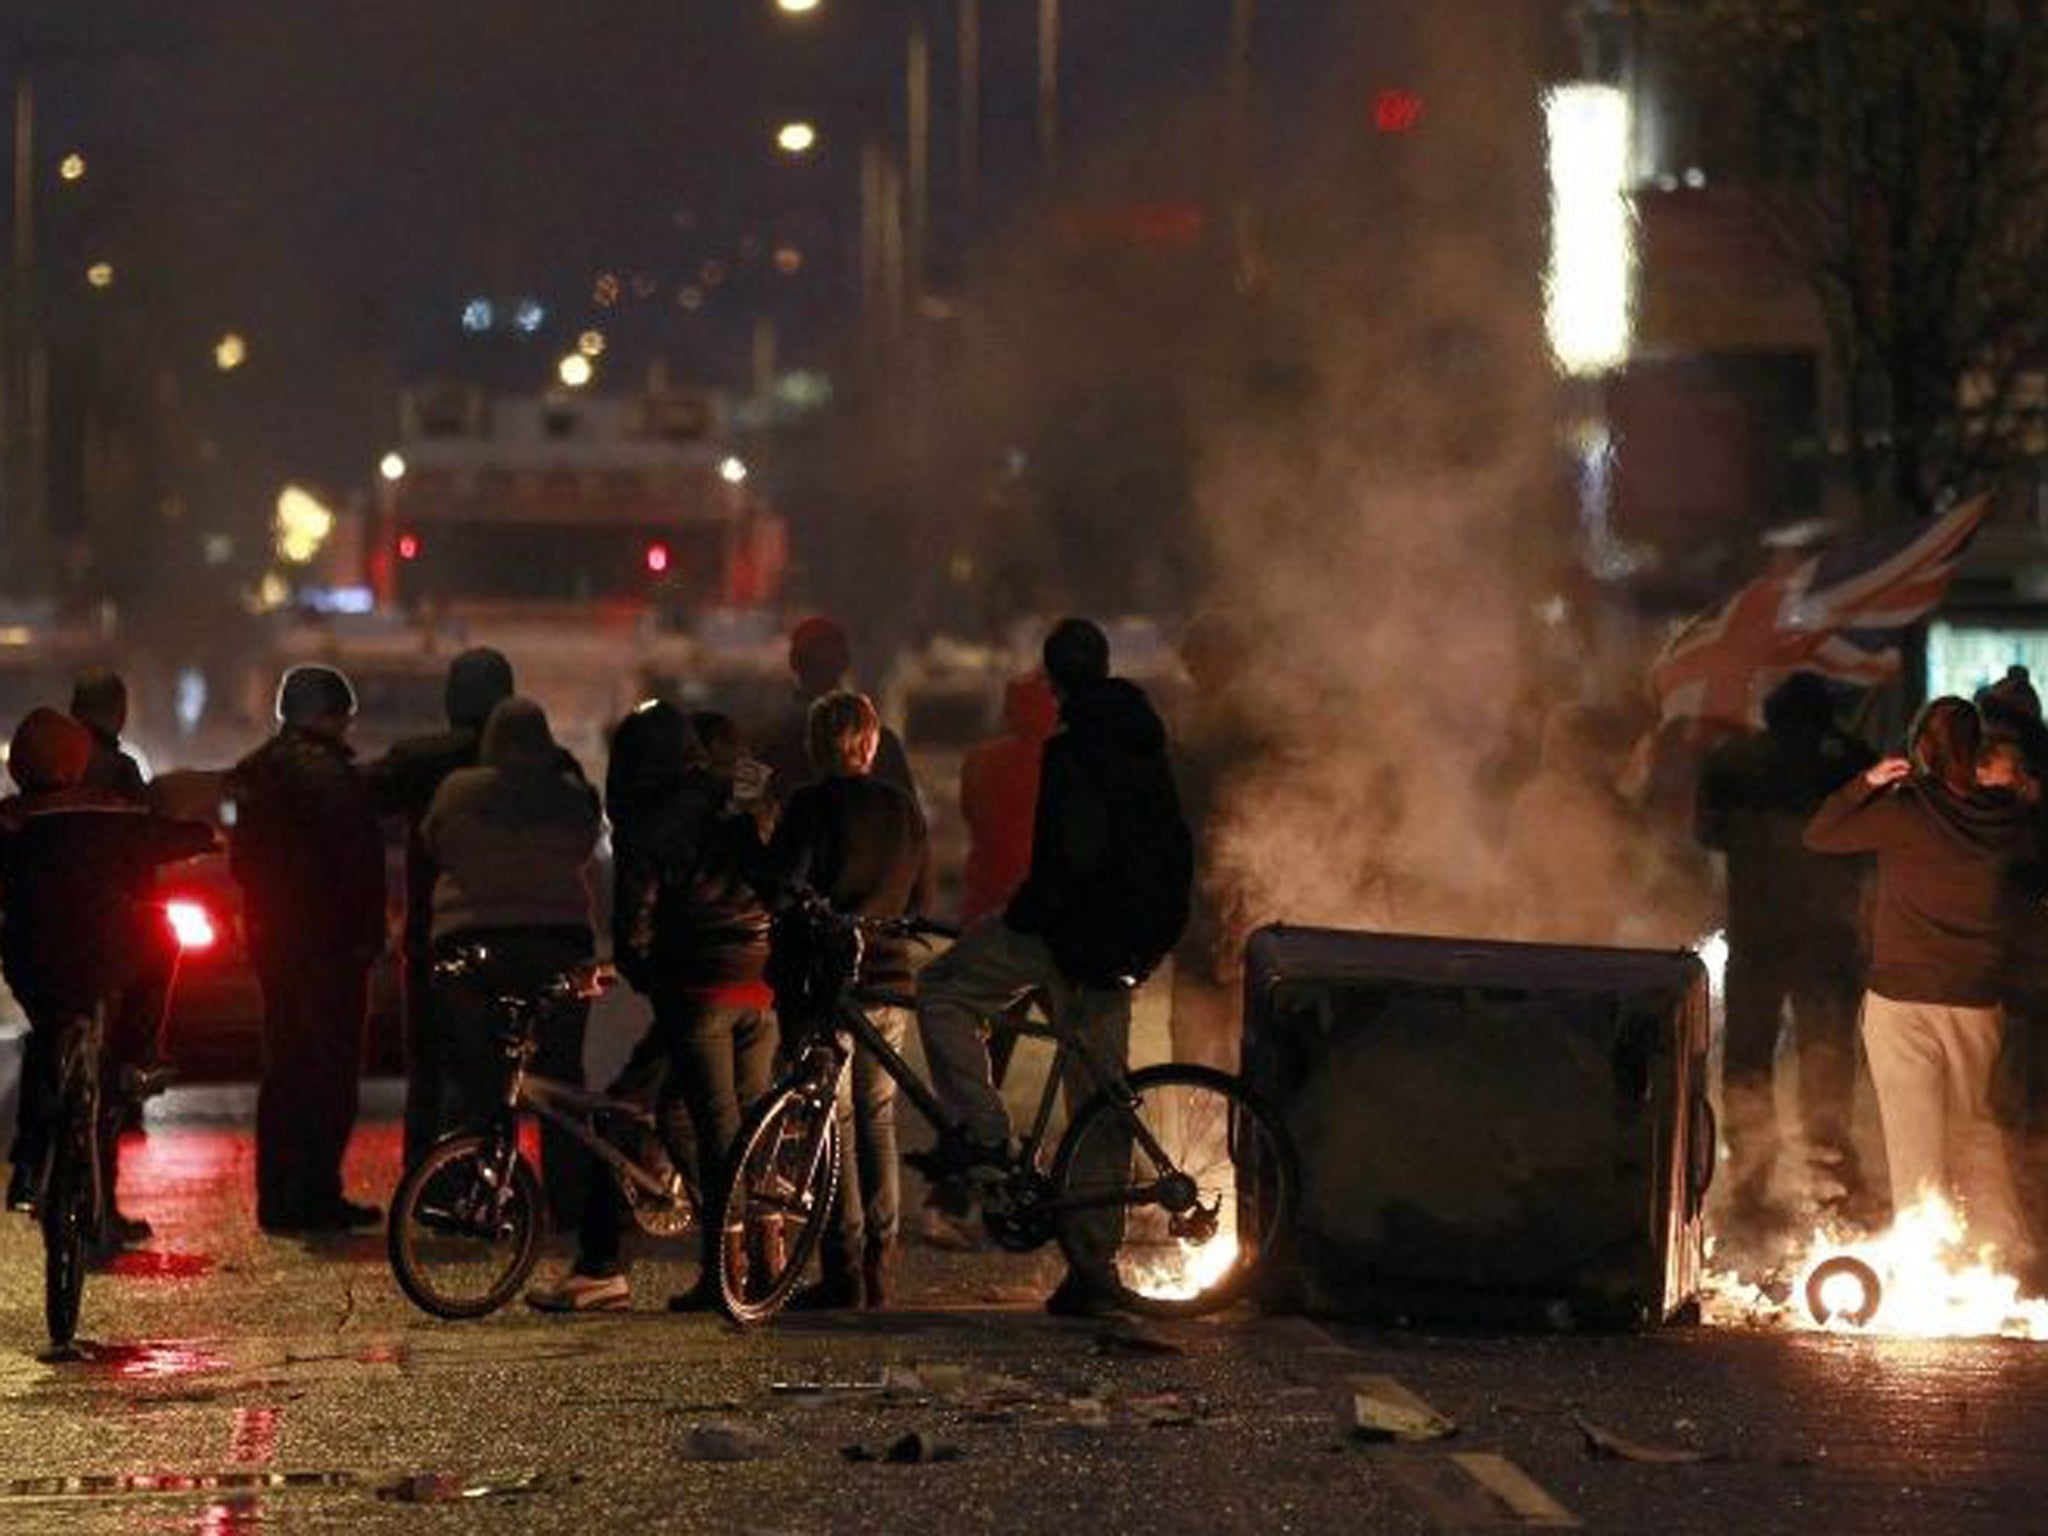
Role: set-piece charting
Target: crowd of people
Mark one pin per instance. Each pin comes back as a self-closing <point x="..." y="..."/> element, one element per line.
<point x="1889" y="914"/>
<point x="1080" y="886"/>
<point x="1904" y="896"/>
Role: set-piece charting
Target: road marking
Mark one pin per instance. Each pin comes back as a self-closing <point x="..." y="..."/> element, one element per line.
<point x="1525" y="1498"/>
<point x="1473" y="1491"/>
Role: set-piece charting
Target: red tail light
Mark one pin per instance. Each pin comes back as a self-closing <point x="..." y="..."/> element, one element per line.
<point x="191" y="925"/>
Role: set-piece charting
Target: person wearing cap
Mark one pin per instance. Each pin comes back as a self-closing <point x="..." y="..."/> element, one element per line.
<point x="76" y="869"/>
<point x="820" y="657"/>
<point x="310" y="860"/>
<point x="403" y="782"/>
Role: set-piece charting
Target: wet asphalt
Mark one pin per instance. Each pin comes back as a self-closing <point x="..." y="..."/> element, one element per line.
<point x="235" y="1382"/>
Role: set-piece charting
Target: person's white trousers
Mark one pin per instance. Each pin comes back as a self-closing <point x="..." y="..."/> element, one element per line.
<point x="1931" y="1066"/>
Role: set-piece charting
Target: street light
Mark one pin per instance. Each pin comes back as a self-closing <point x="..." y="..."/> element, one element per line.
<point x="732" y="470"/>
<point x="591" y="343"/>
<point x="798" y="138"/>
<point x="71" y="167"/>
<point x="230" y="352"/>
<point x="574" y="370"/>
<point x="392" y="466"/>
<point x="796" y="7"/>
<point x="100" y="274"/>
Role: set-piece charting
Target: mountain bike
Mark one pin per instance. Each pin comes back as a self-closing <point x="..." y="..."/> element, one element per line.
<point x="467" y="1221"/>
<point x="1189" y="1176"/>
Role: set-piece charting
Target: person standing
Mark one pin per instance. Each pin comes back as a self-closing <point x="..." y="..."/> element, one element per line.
<point x="512" y="839"/>
<point x="1792" y="941"/>
<point x="860" y="844"/>
<point x="309" y="856"/>
<point x="691" y="928"/>
<point x="99" y="702"/>
<point x="1104" y="903"/>
<point x="820" y="657"/>
<point x="1951" y="858"/>
<point x="999" y="798"/>
<point x="76" y="870"/>
<point x="404" y="781"/>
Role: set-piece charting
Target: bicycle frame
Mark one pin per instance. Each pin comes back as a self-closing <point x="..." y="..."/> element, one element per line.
<point x="572" y="1110"/>
<point x="854" y="1020"/>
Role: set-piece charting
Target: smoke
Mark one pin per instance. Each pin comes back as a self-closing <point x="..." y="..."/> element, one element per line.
<point x="1392" y="732"/>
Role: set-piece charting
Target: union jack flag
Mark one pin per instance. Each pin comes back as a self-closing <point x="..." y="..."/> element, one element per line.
<point x="1828" y="614"/>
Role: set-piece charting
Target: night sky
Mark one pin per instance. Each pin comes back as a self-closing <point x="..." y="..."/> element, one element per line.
<point x="336" y="179"/>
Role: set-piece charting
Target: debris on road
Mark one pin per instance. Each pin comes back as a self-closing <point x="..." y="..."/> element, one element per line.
<point x="1164" y="1410"/>
<point x="724" y="1440"/>
<point x="1382" y="1409"/>
<point x="448" y="1488"/>
<point x="1605" y="1445"/>
<point x="914" y="1449"/>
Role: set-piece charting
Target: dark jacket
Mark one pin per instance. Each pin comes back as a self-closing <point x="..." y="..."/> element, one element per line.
<point x="1756" y="794"/>
<point x="785" y="749"/>
<point x="512" y="837"/>
<point x="1950" y="872"/>
<point x="861" y="845"/>
<point x="307" y="851"/>
<point x="113" y="770"/>
<point x="1111" y="858"/>
<point x="75" y="867"/>
<point x="688" y="916"/>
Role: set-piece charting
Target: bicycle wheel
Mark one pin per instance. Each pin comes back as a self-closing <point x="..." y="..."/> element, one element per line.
<point x="466" y="1226"/>
<point x="1188" y="1237"/>
<point x="65" y="1217"/>
<point x="778" y="1197"/>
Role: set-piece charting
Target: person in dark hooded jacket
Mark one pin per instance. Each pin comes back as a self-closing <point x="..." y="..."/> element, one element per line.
<point x="1792" y="938"/>
<point x="309" y="856"/>
<point x="77" y="867"/>
<point x="512" y="839"/>
<point x="1953" y="864"/>
<point x="690" y="929"/>
<point x="1105" y="901"/>
<point x="404" y="781"/>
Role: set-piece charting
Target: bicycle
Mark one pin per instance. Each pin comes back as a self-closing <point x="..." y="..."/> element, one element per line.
<point x="1207" y="1181"/>
<point x="73" y="1200"/>
<point x="467" y="1221"/>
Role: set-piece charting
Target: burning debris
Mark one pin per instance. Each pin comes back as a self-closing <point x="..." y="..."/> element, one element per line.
<point x="1920" y="1278"/>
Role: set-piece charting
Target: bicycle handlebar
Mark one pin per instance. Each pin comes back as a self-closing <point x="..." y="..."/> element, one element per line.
<point x="585" y="981"/>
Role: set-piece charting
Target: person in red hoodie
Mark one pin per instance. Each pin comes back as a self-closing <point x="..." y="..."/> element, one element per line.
<point x="77" y="866"/>
<point x="999" y="798"/>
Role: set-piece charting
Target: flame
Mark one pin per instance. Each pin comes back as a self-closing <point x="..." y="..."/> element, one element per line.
<point x="1186" y="1271"/>
<point x="1935" y="1284"/>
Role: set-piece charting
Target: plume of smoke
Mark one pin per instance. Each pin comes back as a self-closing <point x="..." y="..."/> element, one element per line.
<point x="1389" y="546"/>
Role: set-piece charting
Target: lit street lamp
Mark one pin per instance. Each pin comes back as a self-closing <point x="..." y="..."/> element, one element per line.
<point x="796" y="7"/>
<point x="575" y="370"/>
<point x="392" y="466"/>
<point x="230" y="352"/>
<point x="797" y="138"/>
<point x="732" y="470"/>
<point x="71" y="167"/>
<point x="100" y="274"/>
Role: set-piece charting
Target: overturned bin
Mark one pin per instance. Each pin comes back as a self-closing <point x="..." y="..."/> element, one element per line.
<point x="1490" y="1134"/>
